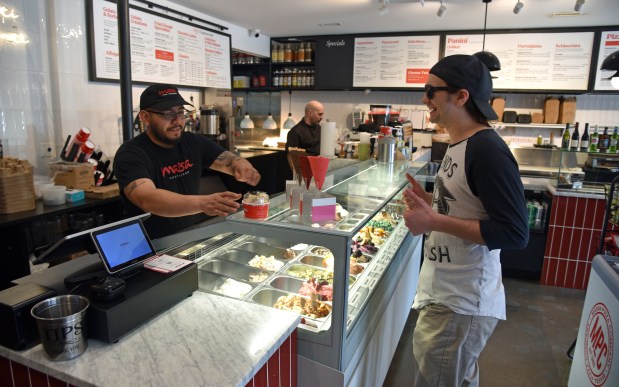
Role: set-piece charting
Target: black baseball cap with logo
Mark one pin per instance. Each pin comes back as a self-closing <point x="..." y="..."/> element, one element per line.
<point x="161" y="97"/>
<point x="468" y="72"/>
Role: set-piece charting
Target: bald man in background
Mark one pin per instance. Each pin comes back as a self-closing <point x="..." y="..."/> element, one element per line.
<point x="306" y="134"/>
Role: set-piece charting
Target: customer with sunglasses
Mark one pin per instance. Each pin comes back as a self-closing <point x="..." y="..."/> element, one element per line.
<point x="477" y="208"/>
<point x="159" y="170"/>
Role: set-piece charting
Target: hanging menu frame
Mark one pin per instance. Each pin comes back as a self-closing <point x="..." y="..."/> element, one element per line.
<point x="608" y="43"/>
<point x="164" y="49"/>
<point x="525" y="56"/>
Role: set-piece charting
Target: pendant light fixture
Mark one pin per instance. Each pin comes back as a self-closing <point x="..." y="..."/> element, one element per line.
<point x="489" y="59"/>
<point x="290" y="122"/>
<point x="246" y="122"/>
<point x="269" y="123"/>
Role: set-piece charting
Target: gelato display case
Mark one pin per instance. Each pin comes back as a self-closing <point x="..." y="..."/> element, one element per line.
<point x="352" y="278"/>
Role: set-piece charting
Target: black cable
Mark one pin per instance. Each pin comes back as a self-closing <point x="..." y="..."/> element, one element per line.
<point x="151" y="5"/>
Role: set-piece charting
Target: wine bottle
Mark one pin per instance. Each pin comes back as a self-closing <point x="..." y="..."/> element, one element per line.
<point x="565" y="140"/>
<point x="604" y="141"/>
<point x="584" y="140"/>
<point x="612" y="147"/>
<point x="594" y="140"/>
<point x="575" y="138"/>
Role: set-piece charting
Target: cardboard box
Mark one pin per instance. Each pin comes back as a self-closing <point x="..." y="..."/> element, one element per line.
<point x="74" y="195"/>
<point x="551" y="110"/>
<point x="567" y="110"/>
<point x="73" y="175"/>
<point x="498" y="105"/>
<point x="108" y="191"/>
<point x="16" y="186"/>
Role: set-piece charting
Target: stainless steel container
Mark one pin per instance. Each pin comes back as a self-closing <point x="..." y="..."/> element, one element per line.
<point x="209" y="121"/>
<point x="386" y="149"/>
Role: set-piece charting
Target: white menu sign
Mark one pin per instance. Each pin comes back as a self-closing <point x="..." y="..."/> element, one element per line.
<point x="609" y="43"/>
<point x="162" y="50"/>
<point x="394" y="61"/>
<point x="537" y="61"/>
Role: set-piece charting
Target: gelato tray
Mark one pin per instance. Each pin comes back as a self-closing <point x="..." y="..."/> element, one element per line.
<point x="267" y="250"/>
<point x="223" y="285"/>
<point x="235" y="270"/>
<point x="287" y="301"/>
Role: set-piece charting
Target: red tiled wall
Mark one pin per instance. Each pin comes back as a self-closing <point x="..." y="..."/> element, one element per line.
<point x="573" y="240"/>
<point x="280" y="371"/>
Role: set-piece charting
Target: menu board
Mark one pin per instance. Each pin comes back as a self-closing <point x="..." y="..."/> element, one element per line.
<point x="609" y="43"/>
<point x="163" y="50"/>
<point x="533" y="61"/>
<point x="394" y="61"/>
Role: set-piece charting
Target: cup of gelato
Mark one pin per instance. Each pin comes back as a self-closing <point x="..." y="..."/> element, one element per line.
<point x="256" y="205"/>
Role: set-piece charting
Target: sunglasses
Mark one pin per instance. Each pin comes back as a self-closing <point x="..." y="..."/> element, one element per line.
<point x="431" y="90"/>
<point x="171" y="115"/>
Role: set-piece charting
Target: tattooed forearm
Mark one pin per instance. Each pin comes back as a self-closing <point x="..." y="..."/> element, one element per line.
<point x="132" y="186"/>
<point x="227" y="158"/>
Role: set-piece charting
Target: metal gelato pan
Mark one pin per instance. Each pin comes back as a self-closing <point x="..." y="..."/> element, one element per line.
<point x="313" y="260"/>
<point x="288" y="284"/>
<point x="239" y="256"/>
<point x="263" y="249"/>
<point x="269" y="297"/>
<point x="220" y="284"/>
<point x="235" y="270"/>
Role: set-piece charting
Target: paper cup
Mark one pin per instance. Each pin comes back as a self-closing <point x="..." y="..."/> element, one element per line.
<point x="256" y="211"/>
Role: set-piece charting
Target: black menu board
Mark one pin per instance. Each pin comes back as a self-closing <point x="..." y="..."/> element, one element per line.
<point x="334" y="70"/>
<point x="533" y="61"/>
<point x="163" y="49"/>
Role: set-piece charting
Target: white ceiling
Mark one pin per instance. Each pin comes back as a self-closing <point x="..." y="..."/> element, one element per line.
<point x="279" y="18"/>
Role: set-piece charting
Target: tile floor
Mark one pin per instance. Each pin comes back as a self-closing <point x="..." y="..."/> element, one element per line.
<point x="528" y="349"/>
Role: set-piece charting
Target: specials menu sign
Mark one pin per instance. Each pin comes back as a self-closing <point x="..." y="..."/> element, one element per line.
<point x="163" y="50"/>
<point x="394" y="61"/>
<point x="609" y="43"/>
<point x="535" y="61"/>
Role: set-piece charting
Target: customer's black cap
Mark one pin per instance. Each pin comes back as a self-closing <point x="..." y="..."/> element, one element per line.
<point x="161" y="97"/>
<point x="468" y="72"/>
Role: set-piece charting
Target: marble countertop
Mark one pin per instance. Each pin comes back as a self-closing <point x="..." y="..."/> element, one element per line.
<point x="205" y="340"/>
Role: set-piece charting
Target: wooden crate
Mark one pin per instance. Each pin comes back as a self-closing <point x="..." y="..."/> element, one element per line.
<point x="16" y="186"/>
<point x="104" y="192"/>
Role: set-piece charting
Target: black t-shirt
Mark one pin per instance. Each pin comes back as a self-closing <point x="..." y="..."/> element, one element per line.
<point x="304" y="136"/>
<point x="177" y="169"/>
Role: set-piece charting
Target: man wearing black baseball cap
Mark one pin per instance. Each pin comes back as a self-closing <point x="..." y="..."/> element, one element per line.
<point x="477" y="208"/>
<point x="159" y="171"/>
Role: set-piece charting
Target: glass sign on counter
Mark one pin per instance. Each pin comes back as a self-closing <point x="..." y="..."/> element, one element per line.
<point x="609" y="43"/>
<point x="534" y="61"/>
<point x="163" y="50"/>
<point x="394" y="61"/>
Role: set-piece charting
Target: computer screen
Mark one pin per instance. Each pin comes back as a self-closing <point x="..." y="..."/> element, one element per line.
<point x="123" y="246"/>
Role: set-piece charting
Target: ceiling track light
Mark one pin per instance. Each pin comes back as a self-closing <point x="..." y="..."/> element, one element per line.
<point x="579" y="4"/>
<point x="489" y="59"/>
<point x="518" y="7"/>
<point x="442" y="9"/>
<point x="422" y="2"/>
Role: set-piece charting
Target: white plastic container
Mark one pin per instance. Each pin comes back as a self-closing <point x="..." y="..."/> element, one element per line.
<point x="39" y="186"/>
<point x="54" y="195"/>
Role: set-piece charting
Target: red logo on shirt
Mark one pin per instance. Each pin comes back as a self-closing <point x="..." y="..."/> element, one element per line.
<point x="179" y="167"/>
<point x="599" y="344"/>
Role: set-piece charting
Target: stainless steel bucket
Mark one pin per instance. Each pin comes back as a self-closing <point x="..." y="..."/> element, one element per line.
<point x="209" y="121"/>
<point x="386" y="150"/>
<point x="62" y="326"/>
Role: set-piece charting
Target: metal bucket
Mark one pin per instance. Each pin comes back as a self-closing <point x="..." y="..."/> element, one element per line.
<point x="62" y="326"/>
<point x="386" y="150"/>
<point x="209" y="121"/>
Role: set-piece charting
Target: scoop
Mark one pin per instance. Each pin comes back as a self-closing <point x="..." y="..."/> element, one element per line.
<point x="319" y="166"/>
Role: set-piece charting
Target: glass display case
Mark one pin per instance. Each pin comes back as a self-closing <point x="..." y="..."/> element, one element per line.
<point x="339" y="274"/>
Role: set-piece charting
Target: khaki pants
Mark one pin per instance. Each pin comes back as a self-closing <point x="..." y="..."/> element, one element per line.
<point x="446" y="346"/>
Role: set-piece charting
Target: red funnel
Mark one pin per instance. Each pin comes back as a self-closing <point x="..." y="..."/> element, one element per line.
<point x="319" y="166"/>
<point x="306" y="170"/>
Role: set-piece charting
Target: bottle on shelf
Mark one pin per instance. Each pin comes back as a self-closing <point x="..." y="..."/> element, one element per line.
<point x="575" y="138"/>
<point x="288" y="53"/>
<point x="584" y="140"/>
<point x="280" y="54"/>
<point x="308" y="52"/>
<point x="301" y="53"/>
<point x="604" y="141"/>
<point x="565" y="139"/>
<point x="540" y="139"/>
<point x="274" y="53"/>
<point x="594" y="140"/>
<point x="614" y="139"/>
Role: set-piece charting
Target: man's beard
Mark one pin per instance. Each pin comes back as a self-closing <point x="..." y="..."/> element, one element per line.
<point x="162" y="138"/>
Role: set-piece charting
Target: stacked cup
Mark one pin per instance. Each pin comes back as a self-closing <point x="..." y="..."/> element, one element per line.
<point x="364" y="146"/>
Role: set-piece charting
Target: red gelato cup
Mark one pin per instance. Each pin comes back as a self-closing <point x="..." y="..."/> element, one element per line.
<point x="256" y="205"/>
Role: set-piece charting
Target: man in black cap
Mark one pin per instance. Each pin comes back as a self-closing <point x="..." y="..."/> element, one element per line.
<point x="477" y="208"/>
<point x="159" y="170"/>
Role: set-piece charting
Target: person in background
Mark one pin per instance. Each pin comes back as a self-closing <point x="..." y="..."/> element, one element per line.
<point x="477" y="208"/>
<point x="159" y="171"/>
<point x="306" y="134"/>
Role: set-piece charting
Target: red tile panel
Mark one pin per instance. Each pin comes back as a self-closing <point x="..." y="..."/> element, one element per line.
<point x="6" y="378"/>
<point x="293" y="357"/>
<point x="570" y="272"/>
<point x="285" y="363"/>
<point x="53" y="382"/>
<point x="260" y="379"/>
<point x="564" y="243"/>
<point x="576" y="244"/>
<point x="273" y="370"/>
<point x="38" y="379"/>
<point x="581" y="274"/>
<point x="20" y="374"/>
<point x="561" y="274"/>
